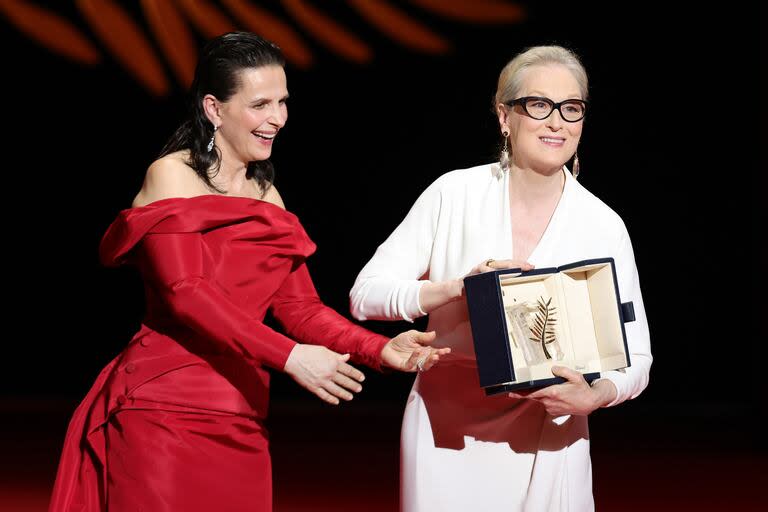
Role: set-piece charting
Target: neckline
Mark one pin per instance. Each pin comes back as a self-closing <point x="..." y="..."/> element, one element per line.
<point x="554" y="220"/>
<point x="161" y="202"/>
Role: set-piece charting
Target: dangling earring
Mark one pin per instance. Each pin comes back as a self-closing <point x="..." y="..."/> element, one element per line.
<point x="504" y="160"/>
<point x="210" y="142"/>
<point x="575" y="166"/>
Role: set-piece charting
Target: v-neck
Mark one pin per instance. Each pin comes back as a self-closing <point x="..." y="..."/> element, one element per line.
<point x="553" y="226"/>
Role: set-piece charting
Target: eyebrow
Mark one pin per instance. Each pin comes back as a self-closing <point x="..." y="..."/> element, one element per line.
<point x="576" y="96"/>
<point x="261" y="98"/>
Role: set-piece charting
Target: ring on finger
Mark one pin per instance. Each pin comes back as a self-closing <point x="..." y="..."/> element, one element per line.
<point x="489" y="262"/>
<point x="420" y="363"/>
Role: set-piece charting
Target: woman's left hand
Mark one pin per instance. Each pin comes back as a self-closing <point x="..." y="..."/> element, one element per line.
<point x="574" y="397"/>
<point x="411" y="351"/>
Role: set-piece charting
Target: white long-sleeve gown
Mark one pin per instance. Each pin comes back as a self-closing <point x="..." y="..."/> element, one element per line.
<point x="463" y="451"/>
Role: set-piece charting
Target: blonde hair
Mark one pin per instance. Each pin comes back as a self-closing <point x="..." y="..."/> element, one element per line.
<point x="511" y="77"/>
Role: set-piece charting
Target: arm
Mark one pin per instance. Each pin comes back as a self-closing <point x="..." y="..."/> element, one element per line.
<point x="389" y="286"/>
<point x="630" y="382"/>
<point x="299" y="310"/>
<point x="576" y="396"/>
<point x="301" y="313"/>
<point x="173" y="267"/>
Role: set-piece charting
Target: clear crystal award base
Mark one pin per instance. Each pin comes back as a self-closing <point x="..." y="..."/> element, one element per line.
<point x="532" y="329"/>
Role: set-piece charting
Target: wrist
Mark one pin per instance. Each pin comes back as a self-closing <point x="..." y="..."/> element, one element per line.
<point x="453" y="289"/>
<point x="290" y="360"/>
<point x="433" y="294"/>
<point x="604" y="392"/>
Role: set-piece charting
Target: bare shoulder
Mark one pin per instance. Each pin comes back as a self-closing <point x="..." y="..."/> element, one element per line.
<point x="273" y="196"/>
<point x="168" y="177"/>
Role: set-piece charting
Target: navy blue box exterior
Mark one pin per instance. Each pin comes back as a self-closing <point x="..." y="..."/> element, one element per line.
<point x="486" y="313"/>
<point x="489" y="327"/>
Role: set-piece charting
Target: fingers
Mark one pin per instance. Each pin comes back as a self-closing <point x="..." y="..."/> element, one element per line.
<point x="324" y="372"/>
<point x="351" y="372"/>
<point x="337" y="391"/>
<point x="539" y="394"/>
<point x="503" y="264"/>
<point x="339" y="387"/>
<point x="423" y="360"/>
<point x="491" y="264"/>
<point x="430" y="361"/>
<point x="410" y="351"/>
<point x="325" y="396"/>
<point x="423" y="338"/>
<point x="415" y="360"/>
<point x="485" y="267"/>
<point x="347" y="383"/>
<point x="523" y="393"/>
<point x="568" y="374"/>
<point x="553" y="391"/>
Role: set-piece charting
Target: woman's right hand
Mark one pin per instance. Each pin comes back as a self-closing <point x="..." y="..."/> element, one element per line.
<point x="324" y="372"/>
<point x="491" y="264"/>
<point x="432" y="295"/>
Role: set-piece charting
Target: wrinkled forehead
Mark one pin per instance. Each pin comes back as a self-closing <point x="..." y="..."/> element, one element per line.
<point x="261" y="81"/>
<point x="554" y="81"/>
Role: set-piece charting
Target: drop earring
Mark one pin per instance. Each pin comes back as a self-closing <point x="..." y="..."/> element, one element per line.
<point x="210" y="142"/>
<point x="504" y="160"/>
<point x="575" y="165"/>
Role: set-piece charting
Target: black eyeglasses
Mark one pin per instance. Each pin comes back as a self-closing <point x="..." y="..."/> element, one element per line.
<point x="540" y="108"/>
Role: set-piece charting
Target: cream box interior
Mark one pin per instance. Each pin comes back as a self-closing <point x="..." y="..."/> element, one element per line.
<point x="523" y="323"/>
<point x="578" y="307"/>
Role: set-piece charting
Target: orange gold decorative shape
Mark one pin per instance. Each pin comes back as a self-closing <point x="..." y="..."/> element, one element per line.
<point x="50" y="30"/>
<point x="329" y="32"/>
<point x="208" y="19"/>
<point x="172" y="23"/>
<point x="126" y="41"/>
<point x="399" y="26"/>
<point x="173" y="36"/>
<point x="265" y="24"/>
<point x="476" y="11"/>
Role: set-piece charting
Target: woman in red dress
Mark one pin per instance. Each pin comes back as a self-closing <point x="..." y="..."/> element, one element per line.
<point x="176" y="421"/>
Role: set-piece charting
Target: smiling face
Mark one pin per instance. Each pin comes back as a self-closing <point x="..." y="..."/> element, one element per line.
<point x="542" y="145"/>
<point x="250" y="119"/>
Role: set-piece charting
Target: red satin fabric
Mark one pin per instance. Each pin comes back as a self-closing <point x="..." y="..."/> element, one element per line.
<point x="191" y="387"/>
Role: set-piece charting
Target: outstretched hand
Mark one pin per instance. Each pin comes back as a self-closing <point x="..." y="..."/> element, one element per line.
<point x="324" y="372"/>
<point x="411" y="351"/>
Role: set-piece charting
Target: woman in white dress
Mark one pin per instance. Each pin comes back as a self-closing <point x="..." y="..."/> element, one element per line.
<point x="462" y="450"/>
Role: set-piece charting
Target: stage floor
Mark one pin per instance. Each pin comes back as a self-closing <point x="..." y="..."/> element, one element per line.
<point x="343" y="459"/>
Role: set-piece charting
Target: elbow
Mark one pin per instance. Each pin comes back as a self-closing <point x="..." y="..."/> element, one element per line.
<point x="356" y="300"/>
<point x="642" y="375"/>
<point x="645" y="373"/>
<point x="181" y="298"/>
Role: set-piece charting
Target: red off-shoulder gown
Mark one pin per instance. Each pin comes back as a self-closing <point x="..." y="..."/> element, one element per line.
<point x="175" y="422"/>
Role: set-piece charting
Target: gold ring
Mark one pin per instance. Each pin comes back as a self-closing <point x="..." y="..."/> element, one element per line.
<point x="488" y="262"/>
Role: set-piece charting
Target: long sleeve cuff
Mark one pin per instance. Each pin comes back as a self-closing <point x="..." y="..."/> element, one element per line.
<point x="380" y="299"/>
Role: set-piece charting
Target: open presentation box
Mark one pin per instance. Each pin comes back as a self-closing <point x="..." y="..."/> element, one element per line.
<point x="523" y="323"/>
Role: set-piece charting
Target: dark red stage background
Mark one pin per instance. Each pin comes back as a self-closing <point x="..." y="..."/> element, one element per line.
<point x="671" y="143"/>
